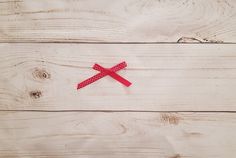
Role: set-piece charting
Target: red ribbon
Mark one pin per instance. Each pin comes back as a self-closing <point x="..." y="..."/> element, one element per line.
<point x="104" y="72"/>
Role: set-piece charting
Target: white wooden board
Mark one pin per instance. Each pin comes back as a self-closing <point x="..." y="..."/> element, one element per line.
<point x="165" y="77"/>
<point x="116" y="135"/>
<point x="118" y="21"/>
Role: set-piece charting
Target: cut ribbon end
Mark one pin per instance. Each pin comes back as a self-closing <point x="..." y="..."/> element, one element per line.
<point x="78" y="87"/>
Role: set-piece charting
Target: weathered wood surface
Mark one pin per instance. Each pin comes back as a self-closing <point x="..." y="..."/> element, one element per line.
<point x="165" y="77"/>
<point x="115" y="135"/>
<point x="42" y="115"/>
<point x="119" y="21"/>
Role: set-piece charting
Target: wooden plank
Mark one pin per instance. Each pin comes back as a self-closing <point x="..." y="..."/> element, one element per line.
<point x="120" y="21"/>
<point x="165" y="77"/>
<point x="115" y="135"/>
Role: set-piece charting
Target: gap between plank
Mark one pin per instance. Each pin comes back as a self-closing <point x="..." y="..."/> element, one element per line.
<point x="74" y="42"/>
<point x="120" y="111"/>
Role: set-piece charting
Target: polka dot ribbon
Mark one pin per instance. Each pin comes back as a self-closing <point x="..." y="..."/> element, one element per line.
<point x="104" y="72"/>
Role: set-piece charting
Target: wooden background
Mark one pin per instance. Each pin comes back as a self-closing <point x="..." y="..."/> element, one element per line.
<point x="181" y="59"/>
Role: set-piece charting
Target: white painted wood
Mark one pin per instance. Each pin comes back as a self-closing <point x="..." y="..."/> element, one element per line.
<point x="115" y="135"/>
<point x="165" y="77"/>
<point x="117" y="21"/>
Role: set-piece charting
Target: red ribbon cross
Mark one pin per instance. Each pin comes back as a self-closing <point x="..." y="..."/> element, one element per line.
<point x="104" y="72"/>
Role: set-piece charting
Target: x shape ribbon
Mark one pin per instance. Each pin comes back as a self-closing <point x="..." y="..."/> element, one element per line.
<point x="104" y="72"/>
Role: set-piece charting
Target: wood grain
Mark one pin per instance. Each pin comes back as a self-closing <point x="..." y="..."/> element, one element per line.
<point x="42" y="115"/>
<point x="115" y="135"/>
<point x="120" y="21"/>
<point x="165" y="77"/>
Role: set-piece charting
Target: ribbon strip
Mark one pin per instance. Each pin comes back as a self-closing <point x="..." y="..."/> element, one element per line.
<point x="104" y="72"/>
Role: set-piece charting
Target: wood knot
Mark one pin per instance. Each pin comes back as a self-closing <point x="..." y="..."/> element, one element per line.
<point x="35" y="94"/>
<point x="176" y="156"/>
<point x="196" y="40"/>
<point x="41" y="74"/>
<point x="170" y="118"/>
<point x="189" y="40"/>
